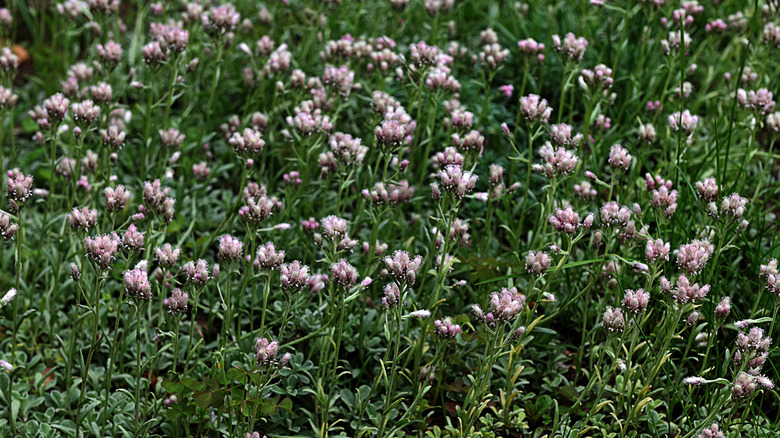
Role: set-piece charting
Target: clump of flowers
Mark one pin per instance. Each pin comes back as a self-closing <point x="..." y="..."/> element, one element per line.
<point x="102" y="249"/>
<point x="613" y="320"/>
<point x="196" y="273"/>
<point x="684" y="121"/>
<point x="635" y="301"/>
<point x="294" y="276"/>
<point x="178" y="302"/>
<point x="266" y="353"/>
<point x="167" y="255"/>
<point x="557" y="161"/>
<point x="157" y="200"/>
<point x="137" y="284"/>
<point x="344" y="274"/>
<point x="83" y="219"/>
<point x="457" y="181"/>
<point x="504" y="307"/>
<point x="571" y="46"/>
<point x="537" y="263"/>
<point x="534" y="109"/>
<point x="692" y="257"/>
<point x="565" y="220"/>
<point x="403" y="267"/>
<point x="267" y="257"/>
<point x="230" y="249"/>
<point x="446" y="329"/>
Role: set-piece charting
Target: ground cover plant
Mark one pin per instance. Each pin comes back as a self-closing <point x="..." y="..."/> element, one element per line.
<point x="429" y="218"/>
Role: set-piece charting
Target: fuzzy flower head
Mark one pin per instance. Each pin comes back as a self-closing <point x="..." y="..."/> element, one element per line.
<point x="599" y="79"/>
<point x="714" y="430"/>
<point x="7" y="228"/>
<point x="446" y="329"/>
<point x="294" y="276"/>
<point x="561" y="135"/>
<point x="675" y="41"/>
<point x="137" y="284"/>
<point x="102" y="249"/>
<point x="266" y="351"/>
<point x="133" y="240"/>
<point x="723" y="309"/>
<point x="771" y="276"/>
<point x="457" y="181"/>
<point x="585" y="190"/>
<point x="619" y="158"/>
<point x="343" y="274"/>
<point x="247" y="143"/>
<point x="744" y="386"/>
<point x="423" y="55"/>
<point x="493" y="56"/>
<point x="7" y="298"/>
<point x="257" y="209"/>
<point x="347" y="150"/>
<point x="613" y="320"/>
<point x="557" y="161"/>
<point x="505" y="305"/>
<point x="196" y="273"/>
<point x="230" y="249"/>
<point x="403" y="267"/>
<point x="178" y="302"/>
<point x="565" y="220"/>
<point x="707" y="189"/>
<point x="692" y="257"/>
<point x="157" y="200"/>
<point x="167" y="255"/>
<point x="684" y="121"/>
<point x="687" y="292"/>
<point x="613" y="213"/>
<point x="56" y="106"/>
<point x="85" y="113"/>
<point x="760" y="101"/>
<point x="531" y="48"/>
<point x="221" y="19"/>
<point x="535" y="109"/>
<point x="665" y="199"/>
<point x="268" y="258"/>
<point x="537" y="263"/>
<point x="753" y="348"/>
<point x="19" y="187"/>
<point x="471" y="141"/>
<point x="390" y="133"/>
<point x="733" y="207"/>
<point x="116" y="198"/>
<point x="570" y="46"/>
<point x="334" y="228"/>
<point x="635" y="301"/>
<point x="657" y="250"/>
<point x="392" y="296"/>
<point x="82" y="219"/>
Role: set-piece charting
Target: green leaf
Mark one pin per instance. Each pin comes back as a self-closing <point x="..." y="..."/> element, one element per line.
<point x="268" y="408"/>
<point x="193" y="384"/>
<point x="203" y="399"/>
<point x="286" y="404"/>
<point x="171" y="386"/>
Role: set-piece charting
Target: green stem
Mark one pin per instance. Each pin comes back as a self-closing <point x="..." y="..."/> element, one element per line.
<point x="138" y="368"/>
<point x="390" y="396"/>
<point x="92" y="348"/>
<point x="266" y="293"/>
<point x="192" y="331"/>
<point x="19" y="238"/>
<point x="176" y="344"/>
<point x="228" y="307"/>
<point x="112" y="360"/>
